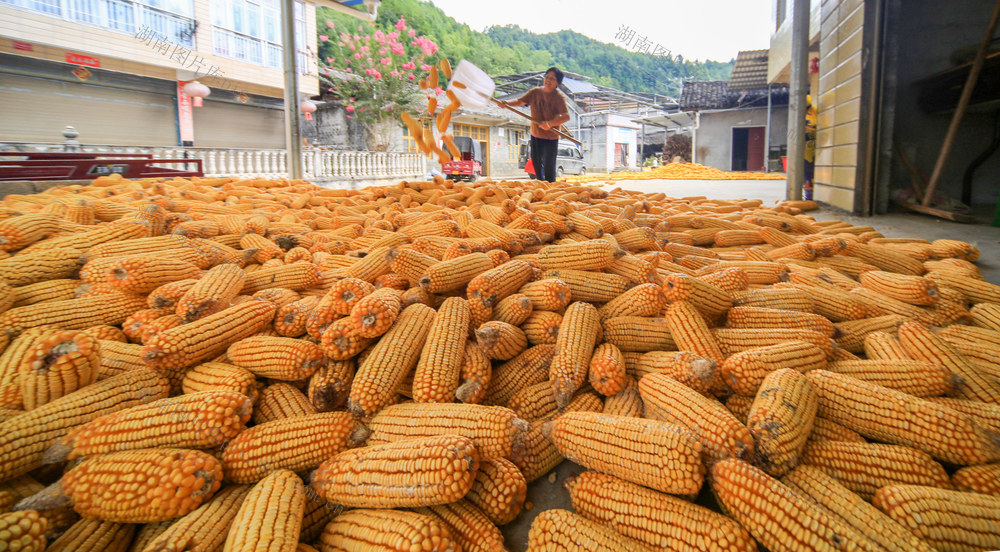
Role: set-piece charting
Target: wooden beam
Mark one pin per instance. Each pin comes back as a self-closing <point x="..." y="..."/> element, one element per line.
<point x="935" y="212"/>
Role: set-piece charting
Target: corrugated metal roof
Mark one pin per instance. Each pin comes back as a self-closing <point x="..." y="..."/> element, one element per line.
<point x="750" y="70"/>
<point x="578" y="86"/>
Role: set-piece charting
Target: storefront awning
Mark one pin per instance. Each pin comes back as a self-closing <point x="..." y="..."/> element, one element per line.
<point x="670" y="121"/>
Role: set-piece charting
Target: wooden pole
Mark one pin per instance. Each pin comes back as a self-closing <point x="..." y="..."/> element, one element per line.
<point x="963" y="103"/>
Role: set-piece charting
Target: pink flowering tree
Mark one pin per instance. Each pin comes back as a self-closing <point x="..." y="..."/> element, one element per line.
<point x="374" y="74"/>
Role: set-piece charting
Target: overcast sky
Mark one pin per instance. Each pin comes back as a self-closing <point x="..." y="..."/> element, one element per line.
<point x="695" y="29"/>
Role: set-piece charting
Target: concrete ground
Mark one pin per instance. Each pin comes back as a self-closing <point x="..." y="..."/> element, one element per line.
<point x="549" y="492"/>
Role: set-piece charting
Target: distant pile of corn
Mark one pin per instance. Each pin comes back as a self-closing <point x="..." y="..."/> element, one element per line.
<point x="243" y="365"/>
<point x="676" y="171"/>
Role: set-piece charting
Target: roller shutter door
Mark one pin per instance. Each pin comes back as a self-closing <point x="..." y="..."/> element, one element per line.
<point x="226" y="125"/>
<point x="36" y="110"/>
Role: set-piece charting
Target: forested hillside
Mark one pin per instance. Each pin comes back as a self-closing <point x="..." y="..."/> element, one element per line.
<point x="511" y="49"/>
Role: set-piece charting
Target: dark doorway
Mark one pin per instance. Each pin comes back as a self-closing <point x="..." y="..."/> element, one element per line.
<point x="748" y="149"/>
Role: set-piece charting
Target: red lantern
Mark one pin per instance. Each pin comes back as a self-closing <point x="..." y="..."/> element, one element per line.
<point x="308" y="108"/>
<point x="197" y="91"/>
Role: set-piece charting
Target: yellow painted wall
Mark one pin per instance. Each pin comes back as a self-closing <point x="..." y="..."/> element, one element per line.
<point x="839" y="102"/>
<point x="780" y="55"/>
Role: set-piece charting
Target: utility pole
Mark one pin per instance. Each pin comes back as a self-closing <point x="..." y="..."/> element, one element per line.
<point x="798" y="86"/>
<point x="293" y="147"/>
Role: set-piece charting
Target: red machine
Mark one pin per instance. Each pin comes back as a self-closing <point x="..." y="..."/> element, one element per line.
<point x="87" y="166"/>
<point x="470" y="166"/>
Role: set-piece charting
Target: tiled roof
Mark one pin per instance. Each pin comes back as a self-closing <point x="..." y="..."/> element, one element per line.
<point x="703" y="95"/>
<point x="717" y="95"/>
<point x="750" y="70"/>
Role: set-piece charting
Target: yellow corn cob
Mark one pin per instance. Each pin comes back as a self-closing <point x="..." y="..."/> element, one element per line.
<point x="167" y="295"/>
<point x="781" y="419"/>
<point x="705" y="419"/>
<point x="986" y="415"/>
<point x="386" y="530"/>
<point x="879" y="304"/>
<point x="852" y="333"/>
<point x="758" y="272"/>
<point x="46" y="290"/>
<point x="198" y="420"/>
<point x="884" y="346"/>
<point x="732" y="341"/>
<point x="635" y="270"/>
<point x="296" y="277"/>
<point x="26" y="436"/>
<point x="760" y="317"/>
<point x="745" y="371"/>
<point x="730" y="280"/>
<point x="173" y="350"/>
<point x="298" y="443"/>
<point x="585" y="255"/>
<point x="437" y="372"/>
<point x="493" y="429"/>
<point x="416" y="472"/>
<point x="513" y="309"/>
<point x="29" y="268"/>
<point x="266" y="249"/>
<point x="528" y="368"/>
<point x="371" y="266"/>
<point x="891" y="416"/>
<point x="651" y="453"/>
<point x="375" y="313"/>
<point x="954" y="248"/>
<point x="914" y="290"/>
<point x="133" y="326"/>
<point x="281" y="400"/>
<point x="920" y="344"/>
<point x="330" y="385"/>
<point x="499" y="490"/>
<point x="145" y="273"/>
<point x="884" y="258"/>
<point x="534" y="402"/>
<point x="946" y="520"/>
<point x="173" y="482"/>
<point x="825" y="430"/>
<point x="105" y="332"/>
<point x="73" y="314"/>
<point x="491" y="286"/>
<point x="641" y="300"/>
<point x="148" y="532"/>
<point x="607" y="369"/>
<point x="92" y="535"/>
<point x="410" y="263"/>
<point x="454" y="273"/>
<point x="585" y="225"/>
<point x="983" y="479"/>
<point x="270" y="517"/>
<point x="475" y="373"/>
<point x="340" y="340"/>
<point x="838" y="501"/>
<point x="548" y="294"/>
<point x="659" y="520"/>
<point x="290" y="320"/>
<point x="279" y="296"/>
<point x="563" y="531"/>
<point x="469" y="527"/>
<point x="626" y="402"/>
<point x="57" y="364"/>
<point x="774" y="298"/>
<point x="835" y="304"/>
<point x="917" y="378"/>
<point x="778" y="517"/>
<point x="20" y="231"/>
<point x="574" y="349"/>
<point x="986" y="315"/>
<point x="205" y="528"/>
<point x="689" y="331"/>
<point x="542" y="327"/>
<point x="500" y="340"/>
<point x="281" y="358"/>
<point x="220" y="376"/>
<point x="83" y="241"/>
<point x="23" y="531"/>
<point x="638" y="333"/>
<point x="392" y="358"/>
<point x="684" y="366"/>
<point x="978" y="344"/>
<point x="212" y="293"/>
<point x="593" y="287"/>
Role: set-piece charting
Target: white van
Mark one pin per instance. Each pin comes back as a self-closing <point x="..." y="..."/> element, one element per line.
<point x="569" y="158"/>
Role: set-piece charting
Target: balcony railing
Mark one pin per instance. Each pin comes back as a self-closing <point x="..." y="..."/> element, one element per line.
<point x="319" y="165"/>
<point x="117" y="15"/>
